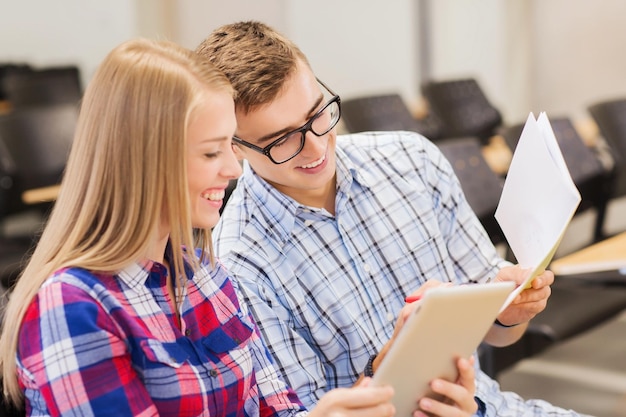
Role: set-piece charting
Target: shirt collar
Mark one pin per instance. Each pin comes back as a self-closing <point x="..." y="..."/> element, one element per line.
<point x="136" y="274"/>
<point x="348" y="170"/>
<point x="279" y="210"/>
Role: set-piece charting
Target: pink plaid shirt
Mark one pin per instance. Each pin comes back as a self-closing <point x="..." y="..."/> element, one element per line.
<point x="95" y="344"/>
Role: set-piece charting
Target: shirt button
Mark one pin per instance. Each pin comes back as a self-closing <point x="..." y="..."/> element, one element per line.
<point x="187" y="332"/>
<point x="366" y="267"/>
<point x="390" y="317"/>
<point x="307" y="223"/>
<point x="213" y="373"/>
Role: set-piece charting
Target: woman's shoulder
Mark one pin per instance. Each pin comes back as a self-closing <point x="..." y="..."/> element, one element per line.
<point x="79" y="278"/>
<point x="79" y="285"/>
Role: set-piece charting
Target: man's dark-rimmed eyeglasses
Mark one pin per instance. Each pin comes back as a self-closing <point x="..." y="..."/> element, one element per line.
<point x="291" y="143"/>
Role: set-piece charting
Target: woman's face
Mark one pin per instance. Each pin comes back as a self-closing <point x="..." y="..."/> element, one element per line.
<point x="211" y="163"/>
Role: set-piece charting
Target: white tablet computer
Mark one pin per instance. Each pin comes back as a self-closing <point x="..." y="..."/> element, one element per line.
<point x="449" y="323"/>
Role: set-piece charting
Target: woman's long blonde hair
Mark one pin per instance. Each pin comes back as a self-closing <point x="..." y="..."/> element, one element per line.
<point x="126" y="170"/>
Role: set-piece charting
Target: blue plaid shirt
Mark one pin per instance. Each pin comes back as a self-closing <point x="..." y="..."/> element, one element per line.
<point x="99" y="344"/>
<point x="326" y="289"/>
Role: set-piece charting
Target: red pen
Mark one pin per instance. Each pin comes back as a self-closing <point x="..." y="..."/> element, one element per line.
<point x="412" y="298"/>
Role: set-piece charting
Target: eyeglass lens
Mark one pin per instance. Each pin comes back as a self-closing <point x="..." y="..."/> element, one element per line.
<point x="293" y="143"/>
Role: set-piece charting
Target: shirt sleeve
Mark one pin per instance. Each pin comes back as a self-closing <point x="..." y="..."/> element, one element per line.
<point x="495" y="402"/>
<point x="467" y="241"/>
<point x="72" y="360"/>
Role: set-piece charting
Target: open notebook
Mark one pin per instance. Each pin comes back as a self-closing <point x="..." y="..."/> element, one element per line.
<point x="538" y="200"/>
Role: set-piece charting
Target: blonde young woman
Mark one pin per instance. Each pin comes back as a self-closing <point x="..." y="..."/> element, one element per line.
<point x="113" y="316"/>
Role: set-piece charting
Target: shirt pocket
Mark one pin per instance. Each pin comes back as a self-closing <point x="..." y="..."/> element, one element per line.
<point x="166" y="371"/>
<point x="157" y="353"/>
<point x="424" y="261"/>
<point x="228" y="336"/>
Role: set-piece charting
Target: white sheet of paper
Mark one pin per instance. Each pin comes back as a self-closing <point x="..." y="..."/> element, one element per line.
<point x="538" y="200"/>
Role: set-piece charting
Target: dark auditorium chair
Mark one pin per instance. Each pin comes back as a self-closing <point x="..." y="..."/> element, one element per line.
<point x="6" y="71"/>
<point x="462" y="107"/>
<point x="37" y="141"/>
<point x="610" y="117"/>
<point x="14" y="255"/>
<point x="35" y="144"/>
<point x="40" y="87"/>
<point x="482" y="186"/>
<point x="386" y="112"/>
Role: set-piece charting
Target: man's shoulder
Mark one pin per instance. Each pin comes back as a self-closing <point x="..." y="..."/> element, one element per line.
<point x="242" y="224"/>
<point x="386" y="143"/>
<point x="392" y="147"/>
<point x="381" y="138"/>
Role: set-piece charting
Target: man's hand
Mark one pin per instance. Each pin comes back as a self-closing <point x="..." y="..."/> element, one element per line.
<point x="458" y="396"/>
<point x="531" y="301"/>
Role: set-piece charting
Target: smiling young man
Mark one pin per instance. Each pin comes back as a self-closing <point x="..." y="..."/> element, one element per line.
<point x="327" y="235"/>
<point x="306" y="173"/>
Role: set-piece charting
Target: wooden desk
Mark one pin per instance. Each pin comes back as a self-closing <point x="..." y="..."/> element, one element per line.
<point x="610" y="254"/>
<point x="41" y="195"/>
<point x="498" y="155"/>
<point x="5" y="107"/>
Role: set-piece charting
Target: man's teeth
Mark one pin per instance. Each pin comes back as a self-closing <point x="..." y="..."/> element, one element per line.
<point x="216" y="196"/>
<point x="315" y="163"/>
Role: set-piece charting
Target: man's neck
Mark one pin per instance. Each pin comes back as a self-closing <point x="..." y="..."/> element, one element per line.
<point x="323" y="197"/>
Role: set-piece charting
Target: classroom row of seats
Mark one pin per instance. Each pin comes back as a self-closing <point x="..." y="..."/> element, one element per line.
<point x="573" y="347"/>
<point x="458" y="111"/>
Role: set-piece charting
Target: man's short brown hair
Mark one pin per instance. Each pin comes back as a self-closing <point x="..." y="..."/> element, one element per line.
<point x="256" y="59"/>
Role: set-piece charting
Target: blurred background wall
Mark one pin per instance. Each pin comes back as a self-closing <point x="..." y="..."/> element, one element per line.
<point x="528" y="55"/>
